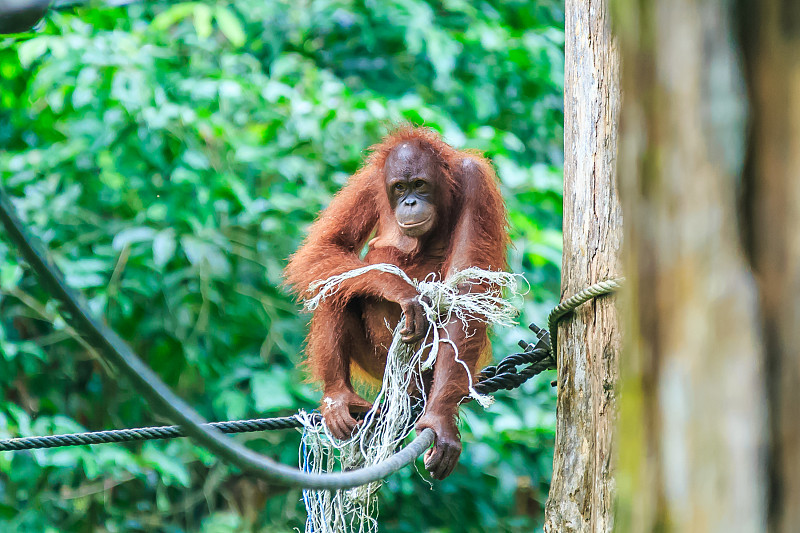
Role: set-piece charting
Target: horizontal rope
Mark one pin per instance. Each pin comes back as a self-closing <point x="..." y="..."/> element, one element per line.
<point x="491" y="379"/>
<point x="139" y="434"/>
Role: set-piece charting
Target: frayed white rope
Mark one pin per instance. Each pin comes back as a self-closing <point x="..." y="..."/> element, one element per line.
<point x="376" y="438"/>
<point x="328" y="287"/>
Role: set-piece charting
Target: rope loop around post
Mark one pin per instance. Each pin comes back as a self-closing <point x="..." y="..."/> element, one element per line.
<point x="570" y="304"/>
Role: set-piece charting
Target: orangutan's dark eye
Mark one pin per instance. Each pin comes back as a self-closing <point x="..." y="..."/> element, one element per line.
<point x="399" y="187"/>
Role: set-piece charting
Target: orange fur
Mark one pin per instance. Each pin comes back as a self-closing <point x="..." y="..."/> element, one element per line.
<point x="471" y="230"/>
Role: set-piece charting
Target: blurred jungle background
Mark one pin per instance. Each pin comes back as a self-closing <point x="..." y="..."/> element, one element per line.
<point x="171" y="156"/>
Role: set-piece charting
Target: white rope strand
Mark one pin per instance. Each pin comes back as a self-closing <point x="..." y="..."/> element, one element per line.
<point x="376" y="438"/>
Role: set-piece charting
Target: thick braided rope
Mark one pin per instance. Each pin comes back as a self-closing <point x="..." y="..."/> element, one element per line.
<point x="148" y="433"/>
<point x="569" y="305"/>
<point x="503" y="376"/>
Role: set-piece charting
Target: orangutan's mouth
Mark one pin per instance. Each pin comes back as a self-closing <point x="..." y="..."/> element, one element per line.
<point x="415" y="224"/>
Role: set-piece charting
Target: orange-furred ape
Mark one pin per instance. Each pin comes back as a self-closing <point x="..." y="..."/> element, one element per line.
<point x="429" y="209"/>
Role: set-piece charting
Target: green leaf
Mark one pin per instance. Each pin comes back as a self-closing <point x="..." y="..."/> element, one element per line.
<point x="202" y="21"/>
<point x="170" y="470"/>
<point x="31" y="50"/>
<point x="130" y="236"/>
<point x="230" y="26"/>
<point x="270" y="393"/>
<point x="204" y="254"/>
<point x="7" y="512"/>
<point x="164" y="247"/>
<point x="222" y="522"/>
<point x="173" y="15"/>
<point x="86" y="272"/>
<point x="10" y="276"/>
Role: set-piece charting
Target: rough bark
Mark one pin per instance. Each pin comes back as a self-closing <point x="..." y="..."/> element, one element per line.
<point x="582" y="490"/>
<point x="692" y="407"/>
<point x="771" y="42"/>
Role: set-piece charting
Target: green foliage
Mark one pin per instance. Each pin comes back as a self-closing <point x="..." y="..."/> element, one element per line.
<point x="171" y="156"/>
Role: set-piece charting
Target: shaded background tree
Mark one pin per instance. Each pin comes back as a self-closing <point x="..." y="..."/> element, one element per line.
<point x="709" y="380"/>
<point x="770" y="38"/>
<point x="691" y="402"/>
<point x="171" y="156"/>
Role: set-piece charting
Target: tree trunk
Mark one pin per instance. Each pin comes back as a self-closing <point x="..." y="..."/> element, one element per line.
<point x="692" y="407"/>
<point x="582" y="491"/>
<point x="771" y="39"/>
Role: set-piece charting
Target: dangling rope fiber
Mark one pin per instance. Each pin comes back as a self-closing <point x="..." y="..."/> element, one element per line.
<point x="443" y="302"/>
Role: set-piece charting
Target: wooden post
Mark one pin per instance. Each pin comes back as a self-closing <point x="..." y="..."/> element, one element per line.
<point x="582" y="491"/>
